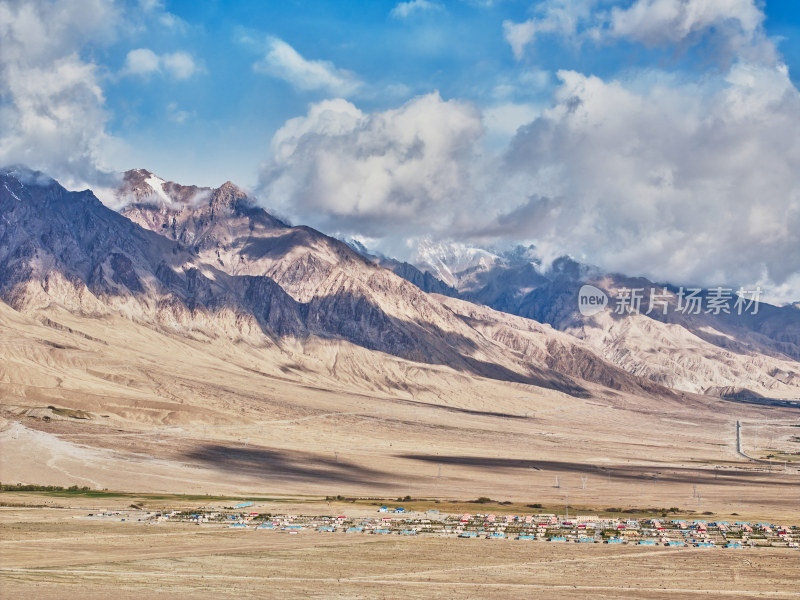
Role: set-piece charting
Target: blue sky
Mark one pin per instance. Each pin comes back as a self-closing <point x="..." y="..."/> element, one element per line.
<point x="458" y="50"/>
<point x="653" y="137"/>
<point x="217" y="124"/>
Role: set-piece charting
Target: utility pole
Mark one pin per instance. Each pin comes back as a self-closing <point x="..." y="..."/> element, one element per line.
<point x="739" y="437"/>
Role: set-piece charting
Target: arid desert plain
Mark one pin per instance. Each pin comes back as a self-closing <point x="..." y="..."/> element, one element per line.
<point x="87" y="402"/>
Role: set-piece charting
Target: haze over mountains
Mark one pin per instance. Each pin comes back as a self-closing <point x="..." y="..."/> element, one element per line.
<point x="207" y="262"/>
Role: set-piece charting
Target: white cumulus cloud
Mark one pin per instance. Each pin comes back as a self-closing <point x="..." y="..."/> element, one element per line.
<point x="52" y="108"/>
<point x="689" y="180"/>
<point x="405" y="10"/>
<point x="650" y="175"/>
<point x="733" y="27"/>
<point x="562" y="17"/>
<point x="143" y="61"/>
<point x="180" y="65"/>
<point x="659" y="21"/>
<point x="284" y="62"/>
<point x="373" y="174"/>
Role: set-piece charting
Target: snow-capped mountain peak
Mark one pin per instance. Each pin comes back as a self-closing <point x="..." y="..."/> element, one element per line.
<point x="141" y="186"/>
<point x="448" y="261"/>
<point x="157" y="185"/>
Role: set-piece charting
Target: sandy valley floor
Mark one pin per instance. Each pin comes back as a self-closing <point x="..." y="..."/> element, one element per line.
<point x="105" y="403"/>
<point x="48" y="555"/>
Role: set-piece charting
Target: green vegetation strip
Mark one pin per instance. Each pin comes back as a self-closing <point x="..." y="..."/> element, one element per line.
<point x="54" y="490"/>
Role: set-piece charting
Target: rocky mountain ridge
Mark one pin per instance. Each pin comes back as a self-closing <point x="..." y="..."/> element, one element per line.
<point x="243" y="275"/>
<point x="209" y="262"/>
<point x="721" y="353"/>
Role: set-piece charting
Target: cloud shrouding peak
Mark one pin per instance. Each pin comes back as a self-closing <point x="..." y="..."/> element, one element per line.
<point x="684" y="182"/>
<point x="284" y="62"/>
<point x="681" y="181"/>
<point x="689" y="175"/>
<point x="52" y="107"/>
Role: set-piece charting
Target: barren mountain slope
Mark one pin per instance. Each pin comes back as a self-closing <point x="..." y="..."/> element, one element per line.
<point x="746" y="355"/>
<point x="107" y="402"/>
<point x="66" y="248"/>
<point x="343" y="293"/>
<point x="132" y="363"/>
